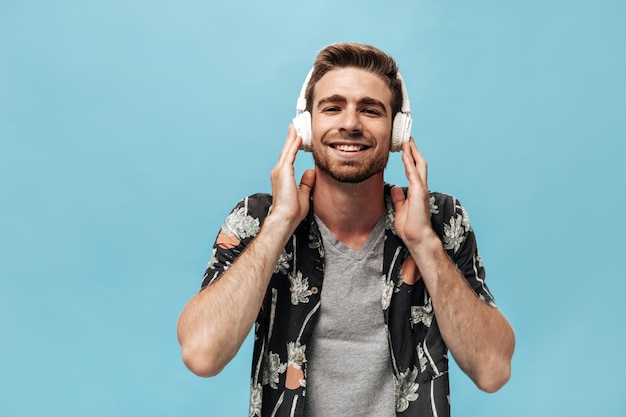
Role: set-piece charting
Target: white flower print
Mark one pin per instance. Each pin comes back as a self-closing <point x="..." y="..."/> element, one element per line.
<point x="387" y="287"/>
<point x="434" y="209"/>
<point x="406" y="389"/>
<point x="213" y="259"/>
<point x="296" y="354"/>
<point x="256" y="399"/>
<point x="423" y="360"/>
<point x="216" y="274"/>
<point x="479" y="259"/>
<point x="466" y="222"/>
<point x="316" y="243"/>
<point x="299" y="288"/>
<point x="240" y="225"/>
<point x="390" y="215"/>
<point x="272" y="369"/>
<point x="283" y="262"/>
<point x="422" y="314"/>
<point x="453" y="234"/>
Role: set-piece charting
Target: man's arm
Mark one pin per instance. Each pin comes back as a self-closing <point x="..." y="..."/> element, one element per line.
<point x="478" y="335"/>
<point x="216" y="321"/>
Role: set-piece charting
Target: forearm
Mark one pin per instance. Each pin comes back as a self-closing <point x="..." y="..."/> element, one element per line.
<point x="216" y="321"/>
<point x="479" y="337"/>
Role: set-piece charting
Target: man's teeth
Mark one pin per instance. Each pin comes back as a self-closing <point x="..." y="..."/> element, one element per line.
<point x="349" y="148"/>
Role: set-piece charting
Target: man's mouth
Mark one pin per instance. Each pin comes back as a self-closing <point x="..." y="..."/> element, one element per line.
<point x="349" y="147"/>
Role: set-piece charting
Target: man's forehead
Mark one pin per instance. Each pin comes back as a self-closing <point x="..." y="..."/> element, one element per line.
<point x="352" y="83"/>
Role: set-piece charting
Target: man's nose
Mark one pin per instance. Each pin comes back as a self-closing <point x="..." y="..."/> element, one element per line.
<point x="351" y="122"/>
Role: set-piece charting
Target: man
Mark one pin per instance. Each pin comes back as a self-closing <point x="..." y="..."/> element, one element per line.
<point x="357" y="288"/>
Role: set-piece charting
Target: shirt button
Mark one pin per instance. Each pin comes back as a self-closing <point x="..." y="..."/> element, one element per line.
<point x="314" y="290"/>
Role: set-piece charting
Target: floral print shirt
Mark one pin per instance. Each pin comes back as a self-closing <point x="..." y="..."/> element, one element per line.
<point x="285" y="322"/>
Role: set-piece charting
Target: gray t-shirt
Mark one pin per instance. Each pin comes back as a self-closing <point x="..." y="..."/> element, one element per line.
<point x="351" y="320"/>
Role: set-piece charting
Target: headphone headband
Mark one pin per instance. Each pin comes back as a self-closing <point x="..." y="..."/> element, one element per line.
<point x="301" y="103"/>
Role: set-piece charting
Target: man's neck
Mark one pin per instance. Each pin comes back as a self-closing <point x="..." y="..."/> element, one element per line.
<point x="350" y="211"/>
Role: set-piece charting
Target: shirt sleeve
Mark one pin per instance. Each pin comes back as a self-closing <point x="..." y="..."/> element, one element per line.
<point x="240" y="227"/>
<point x="459" y="241"/>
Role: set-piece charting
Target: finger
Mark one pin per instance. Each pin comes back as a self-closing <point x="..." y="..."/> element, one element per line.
<point x="304" y="190"/>
<point x="420" y="162"/>
<point x="308" y="180"/>
<point x="397" y="197"/>
<point x="289" y="139"/>
<point x="290" y="147"/>
<point x="415" y="164"/>
<point x="410" y="169"/>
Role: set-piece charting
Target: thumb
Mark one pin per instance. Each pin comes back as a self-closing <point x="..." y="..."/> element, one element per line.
<point x="307" y="182"/>
<point x="397" y="197"/>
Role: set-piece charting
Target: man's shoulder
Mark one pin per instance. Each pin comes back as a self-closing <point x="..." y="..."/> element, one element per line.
<point x="443" y="198"/>
<point x="259" y="197"/>
<point x="256" y="205"/>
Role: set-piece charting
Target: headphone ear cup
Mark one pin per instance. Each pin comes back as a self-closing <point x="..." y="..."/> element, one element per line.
<point x="302" y="123"/>
<point x="401" y="131"/>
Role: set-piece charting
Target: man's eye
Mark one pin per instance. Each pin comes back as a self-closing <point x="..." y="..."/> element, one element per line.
<point x="331" y="109"/>
<point x="371" y="111"/>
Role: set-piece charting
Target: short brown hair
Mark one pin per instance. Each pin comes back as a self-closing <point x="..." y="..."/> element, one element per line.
<point x="351" y="54"/>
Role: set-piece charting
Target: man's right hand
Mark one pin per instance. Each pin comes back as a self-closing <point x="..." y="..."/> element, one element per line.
<point x="290" y="202"/>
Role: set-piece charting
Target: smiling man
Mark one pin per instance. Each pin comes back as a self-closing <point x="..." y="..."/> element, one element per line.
<point x="357" y="288"/>
<point x="360" y="149"/>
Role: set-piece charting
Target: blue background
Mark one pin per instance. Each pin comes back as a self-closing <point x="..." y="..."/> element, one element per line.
<point x="128" y="130"/>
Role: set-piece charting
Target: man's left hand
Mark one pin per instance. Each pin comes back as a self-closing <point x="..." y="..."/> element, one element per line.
<point x="412" y="221"/>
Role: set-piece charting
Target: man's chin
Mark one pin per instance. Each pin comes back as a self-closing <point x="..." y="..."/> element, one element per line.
<point x="349" y="171"/>
<point x="350" y="176"/>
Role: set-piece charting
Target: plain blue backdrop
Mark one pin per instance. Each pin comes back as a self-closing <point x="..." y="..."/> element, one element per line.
<point x="128" y="130"/>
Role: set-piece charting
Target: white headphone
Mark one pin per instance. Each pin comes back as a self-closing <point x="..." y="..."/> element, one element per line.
<point x="400" y="132"/>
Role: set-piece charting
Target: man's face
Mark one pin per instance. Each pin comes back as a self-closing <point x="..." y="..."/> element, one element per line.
<point x="351" y="124"/>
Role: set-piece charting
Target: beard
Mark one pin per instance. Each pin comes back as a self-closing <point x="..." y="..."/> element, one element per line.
<point x="349" y="171"/>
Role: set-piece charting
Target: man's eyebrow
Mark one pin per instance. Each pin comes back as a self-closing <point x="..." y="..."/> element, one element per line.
<point x="337" y="98"/>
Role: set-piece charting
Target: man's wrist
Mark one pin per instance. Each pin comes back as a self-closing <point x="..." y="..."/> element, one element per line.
<point x="279" y="227"/>
<point x="426" y="246"/>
